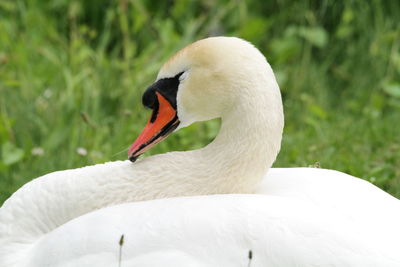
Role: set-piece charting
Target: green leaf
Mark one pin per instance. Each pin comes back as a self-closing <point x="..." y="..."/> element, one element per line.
<point x="8" y="6"/>
<point x="11" y="154"/>
<point x="318" y="111"/>
<point x="255" y="28"/>
<point x="392" y="89"/>
<point x="284" y="49"/>
<point x="315" y="35"/>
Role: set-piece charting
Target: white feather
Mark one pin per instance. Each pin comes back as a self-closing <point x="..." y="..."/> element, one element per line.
<point x="290" y="217"/>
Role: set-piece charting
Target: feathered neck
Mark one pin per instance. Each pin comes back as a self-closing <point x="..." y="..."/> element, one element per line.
<point x="234" y="162"/>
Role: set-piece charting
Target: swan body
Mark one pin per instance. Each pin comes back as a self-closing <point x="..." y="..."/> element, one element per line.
<point x="297" y="216"/>
<point x="217" y="230"/>
<point x="297" y="209"/>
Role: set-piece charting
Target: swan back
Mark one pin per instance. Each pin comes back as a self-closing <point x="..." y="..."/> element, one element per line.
<point x="217" y="230"/>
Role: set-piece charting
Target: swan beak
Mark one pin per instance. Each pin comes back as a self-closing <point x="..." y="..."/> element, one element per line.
<point x="163" y="121"/>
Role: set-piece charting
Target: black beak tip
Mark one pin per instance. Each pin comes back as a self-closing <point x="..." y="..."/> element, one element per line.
<point x="133" y="158"/>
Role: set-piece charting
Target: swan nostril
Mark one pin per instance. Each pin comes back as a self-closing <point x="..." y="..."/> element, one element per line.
<point x="155" y="112"/>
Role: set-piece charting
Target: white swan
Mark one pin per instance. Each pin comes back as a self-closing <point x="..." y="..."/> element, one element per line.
<point x="300" y="217"/>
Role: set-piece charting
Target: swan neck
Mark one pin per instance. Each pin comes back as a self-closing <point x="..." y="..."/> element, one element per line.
<point x="247" y="144"/>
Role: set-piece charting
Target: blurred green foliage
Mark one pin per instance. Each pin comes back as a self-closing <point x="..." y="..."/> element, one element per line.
<point x="72" y="74"/>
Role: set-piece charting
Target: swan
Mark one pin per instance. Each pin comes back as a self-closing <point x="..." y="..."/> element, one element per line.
<point x="221" y="205"/>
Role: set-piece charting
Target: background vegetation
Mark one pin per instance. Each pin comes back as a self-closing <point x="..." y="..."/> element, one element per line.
<point x="72" y="74"/>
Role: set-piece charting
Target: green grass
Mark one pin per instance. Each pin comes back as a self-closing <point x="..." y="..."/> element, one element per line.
<point x="72" y="74"/>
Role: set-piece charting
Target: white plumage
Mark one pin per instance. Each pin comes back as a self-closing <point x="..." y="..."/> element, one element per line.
<point x="202" y="215"/>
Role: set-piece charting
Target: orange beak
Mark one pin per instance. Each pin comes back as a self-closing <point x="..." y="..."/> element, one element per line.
<point x="163" y="121"/>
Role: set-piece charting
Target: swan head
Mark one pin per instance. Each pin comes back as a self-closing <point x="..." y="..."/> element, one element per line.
<point x="203" y="81"/>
